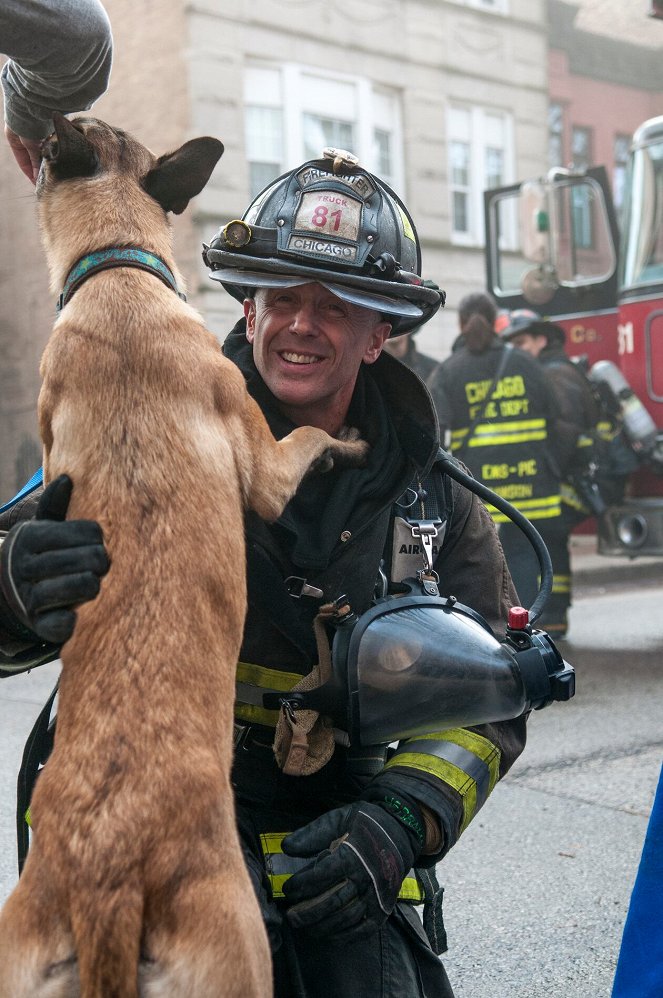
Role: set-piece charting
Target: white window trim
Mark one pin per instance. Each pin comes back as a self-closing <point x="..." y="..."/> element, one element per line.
<point x="476" y="234"/>
<point x="364" y="123"/>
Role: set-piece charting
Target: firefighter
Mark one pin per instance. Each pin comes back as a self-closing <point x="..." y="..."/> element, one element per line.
<point x="496" y="406"/>
<point x="326" y="265"/>
<point x="574" y="445"/>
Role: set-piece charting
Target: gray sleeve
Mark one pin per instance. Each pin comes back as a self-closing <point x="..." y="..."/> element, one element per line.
<point x="60" y="54"/>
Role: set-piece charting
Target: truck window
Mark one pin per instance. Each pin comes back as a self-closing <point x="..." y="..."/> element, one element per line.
<point x="642" y="259"/>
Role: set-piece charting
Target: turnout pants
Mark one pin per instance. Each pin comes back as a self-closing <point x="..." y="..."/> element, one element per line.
<point x="395" y="962"/>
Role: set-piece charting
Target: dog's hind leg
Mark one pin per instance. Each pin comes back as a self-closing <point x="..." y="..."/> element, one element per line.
<point x="36" y="951"/>
<point x="217" y="945"/>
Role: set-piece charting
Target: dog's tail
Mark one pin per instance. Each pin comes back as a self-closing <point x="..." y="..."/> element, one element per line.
<point x="107" y="933"/>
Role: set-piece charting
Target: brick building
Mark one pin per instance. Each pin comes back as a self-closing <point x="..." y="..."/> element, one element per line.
<point x="440" y="97"/>
<point x="606" y="78"/>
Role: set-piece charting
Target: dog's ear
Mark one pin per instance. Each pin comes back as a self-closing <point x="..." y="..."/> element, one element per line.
<point x="180" y="175"/>
<point x="68" y="151"/>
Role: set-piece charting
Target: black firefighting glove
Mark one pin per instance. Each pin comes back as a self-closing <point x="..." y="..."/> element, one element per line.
<point x="48" y="566"/>
<point x="363" y="853"/>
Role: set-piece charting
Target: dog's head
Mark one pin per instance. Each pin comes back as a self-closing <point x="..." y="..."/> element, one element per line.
<point x="98" y="187"/>
<point x="87" y="148"/>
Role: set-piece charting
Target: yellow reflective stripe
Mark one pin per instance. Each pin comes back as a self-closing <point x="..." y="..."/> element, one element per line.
<point x="28" y="818"/>
<point x="508" y="438"/>
<point x="542" y="515"/>
<point x="281" y="867"/>
<point x="271" y="679"/>
<point x="534" y="509"/>
<point x="486" y="753"/>
<point x="411" y="890"/>
<point x="504" y="433"/>
<point x="511" y="426"/>
<point x="251" y="714"/>
<point x="570" y="497"/>
<point x="263" y="678"/>
<point x="509" y="432"/>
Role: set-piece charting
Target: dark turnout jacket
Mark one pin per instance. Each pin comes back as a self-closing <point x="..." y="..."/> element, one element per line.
<point x="501" y="415"/>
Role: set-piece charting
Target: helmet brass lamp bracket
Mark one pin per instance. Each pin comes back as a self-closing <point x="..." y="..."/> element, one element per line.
<point x="341" y="158"/>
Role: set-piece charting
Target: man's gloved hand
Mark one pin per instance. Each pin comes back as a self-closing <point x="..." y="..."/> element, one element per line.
<point x="48" y="566"/>
<point x="363" y="853"/>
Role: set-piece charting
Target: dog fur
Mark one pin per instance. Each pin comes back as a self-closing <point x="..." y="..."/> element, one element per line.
<point x="135" y="883"/>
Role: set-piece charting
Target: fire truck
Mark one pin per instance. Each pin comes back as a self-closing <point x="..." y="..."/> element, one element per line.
<point x="553" y="244"/>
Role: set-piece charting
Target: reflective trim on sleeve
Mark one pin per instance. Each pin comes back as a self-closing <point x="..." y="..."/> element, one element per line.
<point x="561" y="584"/>
<point x="280" y="867"/>
<point x="464" y="760"/>
<point x="570" y="497"/>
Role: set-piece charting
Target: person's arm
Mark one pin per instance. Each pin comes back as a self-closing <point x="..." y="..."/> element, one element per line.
<point x="48" y="567"/>
<point x="60" y="54"/>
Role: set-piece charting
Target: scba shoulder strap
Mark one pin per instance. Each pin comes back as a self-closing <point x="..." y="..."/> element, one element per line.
<point x="420" y="521"/>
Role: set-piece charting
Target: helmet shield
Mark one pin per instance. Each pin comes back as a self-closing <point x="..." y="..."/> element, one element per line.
<point x="333" y="222"/>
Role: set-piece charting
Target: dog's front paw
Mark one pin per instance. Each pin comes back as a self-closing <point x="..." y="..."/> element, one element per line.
<point x="350" y="447"/>
<point x="322" y="464"/>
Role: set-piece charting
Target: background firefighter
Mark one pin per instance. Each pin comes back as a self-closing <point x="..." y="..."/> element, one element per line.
<point x="574" y="446"/>
<point x="501" y="414"/>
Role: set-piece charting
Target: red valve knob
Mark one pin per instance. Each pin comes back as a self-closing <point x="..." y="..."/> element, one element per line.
<point x="518" y="618"/>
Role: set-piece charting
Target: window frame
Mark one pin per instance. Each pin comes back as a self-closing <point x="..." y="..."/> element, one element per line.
<point x="367" y="119"/>
<point x="478" y="143"/>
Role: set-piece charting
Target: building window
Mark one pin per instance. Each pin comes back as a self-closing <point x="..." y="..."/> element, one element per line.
<point x="480" y="158"/>
<point x="581" y="147"/>
<point x="555" y="135"/>
<point x="293" y="113"/>
<point x="621" y="150"/>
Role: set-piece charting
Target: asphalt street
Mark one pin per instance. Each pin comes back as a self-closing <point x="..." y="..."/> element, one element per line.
<point x="538" y="887"/>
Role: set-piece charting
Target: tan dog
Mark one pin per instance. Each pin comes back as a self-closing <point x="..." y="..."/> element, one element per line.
<point x="135" y="883"/>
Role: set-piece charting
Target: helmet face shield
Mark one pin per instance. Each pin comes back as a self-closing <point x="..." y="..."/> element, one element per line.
<point x="333" y="222"/>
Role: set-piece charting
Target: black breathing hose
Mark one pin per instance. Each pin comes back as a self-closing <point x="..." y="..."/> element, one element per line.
<point x="452" y="469"/>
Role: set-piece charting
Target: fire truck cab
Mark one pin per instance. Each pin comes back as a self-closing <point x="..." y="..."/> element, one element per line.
<point x="554" y="244"/>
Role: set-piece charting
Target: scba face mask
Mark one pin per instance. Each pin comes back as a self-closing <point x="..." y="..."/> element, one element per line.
<point x="418" y="663"/>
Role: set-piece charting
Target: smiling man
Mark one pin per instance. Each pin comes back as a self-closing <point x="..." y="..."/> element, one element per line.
<point x="308" y="346"/>
<point x="327" y="265"/>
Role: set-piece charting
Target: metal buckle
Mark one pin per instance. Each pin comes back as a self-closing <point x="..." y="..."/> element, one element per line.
<point x="426" y="531"/>
<point x="299" y="587"/>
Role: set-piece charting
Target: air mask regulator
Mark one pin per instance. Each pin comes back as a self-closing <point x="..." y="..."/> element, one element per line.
<point x="419" y="662"/>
